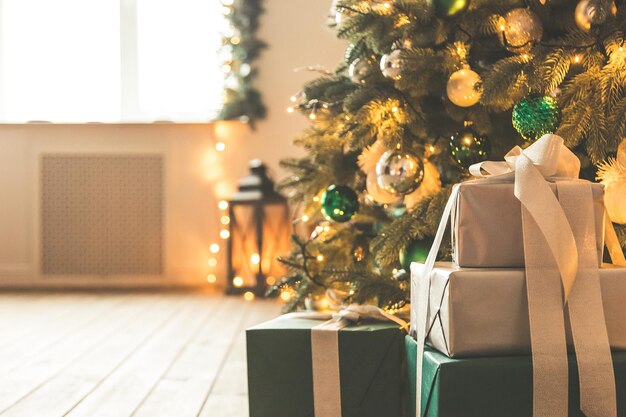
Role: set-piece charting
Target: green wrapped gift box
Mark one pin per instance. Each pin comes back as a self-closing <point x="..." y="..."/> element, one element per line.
<point x="490" y="387"/>
<point x="372" y="369"/>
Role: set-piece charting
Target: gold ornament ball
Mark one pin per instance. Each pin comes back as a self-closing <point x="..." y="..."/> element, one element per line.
<point x="521" y="28"/>
<point x="461" y="88"/>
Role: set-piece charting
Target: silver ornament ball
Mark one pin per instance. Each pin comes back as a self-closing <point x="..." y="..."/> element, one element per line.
<point x="521" y="28"/>
<point x="391" y="64"/>
<point x="587" y="14"/>
<point x="359" y="70"/>
<point x="399" y="172"/>
<point x="461" y="88"/>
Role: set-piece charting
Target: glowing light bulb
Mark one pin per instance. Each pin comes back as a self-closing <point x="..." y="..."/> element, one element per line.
<point x="255" y="259"/>
<point x="224" y="234"/>
<point x="304" y="218"/>
<point x="320" y="258"/>
<point x="211" y="278"/>
<point x="293" y="99"/>
<point x="225" y="220"/>
<point x="212" y="262"/>
<point x="237" y="281"/>
<point x="220" y="146"/>
<point x="270" y="280"/>
<point x="285" y="295"/>
<point x="394" y="109"/>
<point x="222" y="205"/>
<point x="312" y="116"/>
<point x="577" y="58"/>
<point x="248" y="296"/>
<point x="290" y="109"/>
<point x="214" y="248"/>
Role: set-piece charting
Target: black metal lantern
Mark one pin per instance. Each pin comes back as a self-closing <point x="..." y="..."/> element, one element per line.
<point x="260" y="227"/>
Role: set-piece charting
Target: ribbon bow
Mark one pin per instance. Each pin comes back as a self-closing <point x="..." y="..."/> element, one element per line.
<point x="548" y="154"/>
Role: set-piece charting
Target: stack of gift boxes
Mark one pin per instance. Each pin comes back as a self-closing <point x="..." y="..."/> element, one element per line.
<point x="470" y="351"/>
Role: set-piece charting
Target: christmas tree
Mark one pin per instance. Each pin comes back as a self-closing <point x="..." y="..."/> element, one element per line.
<point x="426" y="89"/>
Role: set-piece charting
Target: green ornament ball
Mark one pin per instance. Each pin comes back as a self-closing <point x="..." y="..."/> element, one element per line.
<point x="449" y="8"/>
<point x="467" y="147"/>
<point x="416" y="251"/>
<point x="339" y="203"/>
<point x="534" y="117"/>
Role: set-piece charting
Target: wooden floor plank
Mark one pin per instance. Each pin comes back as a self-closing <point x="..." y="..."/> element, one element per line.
<point x="229" y="395"/>
<point x="125" y="355"/>
<point x="182" y="390"/>
<point x="51" y="332"/>
<point x="126" y="388"/>
<point x="62" y="392"/>
<point x="29" y="374"/>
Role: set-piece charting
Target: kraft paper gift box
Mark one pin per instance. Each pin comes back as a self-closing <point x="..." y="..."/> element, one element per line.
<point x="372" y="369"/>
<point x="483" y="312"/>
<point x="491" y="386"/>
<point x="488" y="225"/>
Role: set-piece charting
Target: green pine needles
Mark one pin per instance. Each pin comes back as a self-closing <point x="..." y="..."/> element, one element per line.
<point x="560" y="62"/>
<point x="240" y="48"/>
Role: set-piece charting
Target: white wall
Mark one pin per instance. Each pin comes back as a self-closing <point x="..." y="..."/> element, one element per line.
<point x="196" y="175"/>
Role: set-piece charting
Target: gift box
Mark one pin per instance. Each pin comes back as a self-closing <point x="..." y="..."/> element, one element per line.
<point x="371" y="367"/>
<point x="484" y="312"/>
<point x="491" y="386"/>
<point x="487" y="225"/>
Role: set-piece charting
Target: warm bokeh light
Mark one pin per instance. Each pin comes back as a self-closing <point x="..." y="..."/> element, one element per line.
<point x="222" y="205"/>
<point x="225" y="220"/>
<point x="224" y="234"/>
<point x="248" y="296"/>
<point x="214" y="248"/>
<point x="270" y="280"/>
<point x="286" y="295"/>
<point x="220" y="146"/>
<point x="212" y="262"/>
<point x="238" y="281"/>
<point x="255" y="259"/>
<point x="211" y="278"/>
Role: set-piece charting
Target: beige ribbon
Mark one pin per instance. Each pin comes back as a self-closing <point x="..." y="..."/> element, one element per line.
<point x="547" y="230"/>
<point x="325" y="351"/>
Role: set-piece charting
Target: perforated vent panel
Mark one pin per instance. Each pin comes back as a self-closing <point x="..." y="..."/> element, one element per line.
<point x="101" y="214"/>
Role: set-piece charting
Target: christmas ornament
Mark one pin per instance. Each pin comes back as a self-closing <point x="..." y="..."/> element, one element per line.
<point x="339" y="203"/>
<point x="359" y="70"/>
<point x="360" y="248"/>
<point x="391" y="64"/>
<point x="416" y="251"/>
<point x="375" y="192"/>
<point x="588" y="13"/>
<point x="399" y="172"/>
<point x="317" y="302"/>
<point x="430" y="185"/>
<point x="449" y="8"/>
<point x="467" y="147"/>
<point x="612" y="174"/>
<point x="521" y="28"/>
<point x="461" y="87"/>
<point x="533" y="117"/>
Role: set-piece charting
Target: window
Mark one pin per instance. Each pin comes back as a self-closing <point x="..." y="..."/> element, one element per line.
<point x="76" y="61"/>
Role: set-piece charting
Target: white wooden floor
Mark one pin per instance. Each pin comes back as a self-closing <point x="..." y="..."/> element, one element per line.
<point x="122" y="355"/>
